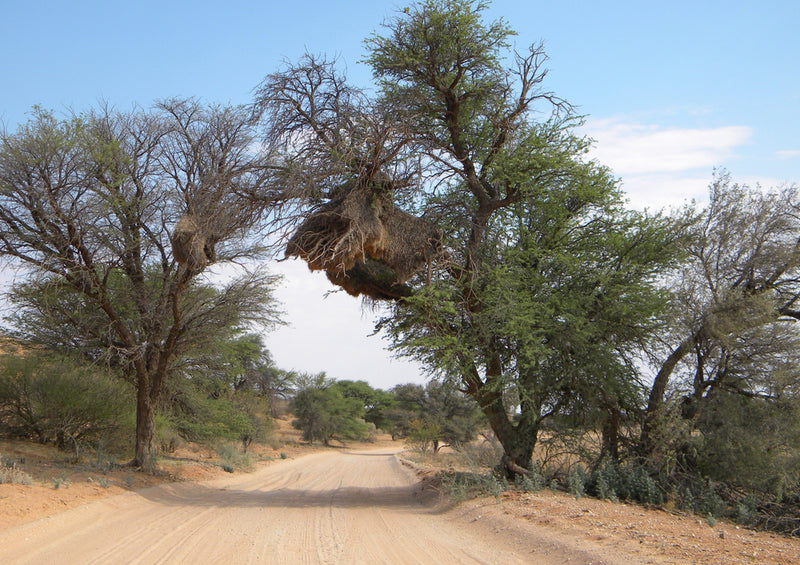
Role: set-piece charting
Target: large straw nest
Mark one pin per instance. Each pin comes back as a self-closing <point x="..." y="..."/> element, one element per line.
<point x="365" y="244"/>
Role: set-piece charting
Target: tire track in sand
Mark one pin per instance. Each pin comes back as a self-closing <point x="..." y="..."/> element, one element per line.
<point x="326" y="508"/>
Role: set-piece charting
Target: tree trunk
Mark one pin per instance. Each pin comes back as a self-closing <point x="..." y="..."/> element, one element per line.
<point x="145" y="428"/>
<point x="610" y="446"/>
<point x="658" y="390"/>
<point x="517" y="441"/>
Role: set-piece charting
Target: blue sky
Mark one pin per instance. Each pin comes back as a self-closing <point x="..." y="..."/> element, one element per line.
<point x="670" y="90"/>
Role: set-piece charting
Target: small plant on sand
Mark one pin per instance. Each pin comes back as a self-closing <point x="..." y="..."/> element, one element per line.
<point x="577" y="481"/>
<point x="58" y="482"/>
<point x="232" y="458"/>
<point x="12" y="474"/>
<point x="531" y="483"/>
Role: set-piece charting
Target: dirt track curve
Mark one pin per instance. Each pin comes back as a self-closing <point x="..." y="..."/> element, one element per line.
<point x="343" y="507"/>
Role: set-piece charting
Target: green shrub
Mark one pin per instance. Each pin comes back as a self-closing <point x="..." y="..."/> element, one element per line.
<point x="232" y="457"/>
<point x="102" y="459"/>
<point x="423" y="434"/>
<point x="613" y="481"/>
<point x="459" y="486"/>
<point x="577" y="481"/>
<point x="532" y="483"/>
<point x="194" y="416"/>
<point x="750" y="443"/>
<point x="745" y="511"/>
<point x="607" y="481"/>
<point x="59" y="481"/>
<point x="56" y="399"/>
<point x="643" y="488"/>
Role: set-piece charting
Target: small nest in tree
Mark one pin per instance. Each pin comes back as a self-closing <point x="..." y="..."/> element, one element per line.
<point x="191" y="244"/>
<point x="365" y="244"/>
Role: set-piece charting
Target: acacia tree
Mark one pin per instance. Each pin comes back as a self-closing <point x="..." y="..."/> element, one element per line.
<point x="323" y="412"/>
<point x="734" y="303"/>
<point x="117" y="215"/>
<point x="451" y="140"/>
<point x="437" y="413"/>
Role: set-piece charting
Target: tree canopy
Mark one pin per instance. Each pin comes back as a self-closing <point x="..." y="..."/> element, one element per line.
<point x="462" y="193"/>
<point x="116" y="215"/>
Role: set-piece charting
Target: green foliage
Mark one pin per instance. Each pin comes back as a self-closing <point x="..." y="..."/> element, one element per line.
<point x="197" y="416"/>
<point x="63" y="401"/>
<point x="554" y="289"/>
<point x="233" y="457"/>
<point x="576" y="481"/>
<point x="549" y="294"/>
<point x="643" y="488"/>
<point x="530" y="483"/>
<point x="749" y="443"/>
<point x="611" y="480"/>
<point x="322" y="412"/>
<point x="90" y="204"/>
<point x="375" y="401"/>
<point x="58" y="482"/>
<point x="745" y="511"/>
<point x="435" y="44"/>
<point x="434" y="414"/>
<point x="423" y="434"/>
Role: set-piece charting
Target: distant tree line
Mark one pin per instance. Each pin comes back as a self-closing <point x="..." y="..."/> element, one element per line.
<point x="432" y="415"/>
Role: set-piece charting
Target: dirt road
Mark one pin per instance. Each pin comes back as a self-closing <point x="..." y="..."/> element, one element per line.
<point x="330" y="507"/>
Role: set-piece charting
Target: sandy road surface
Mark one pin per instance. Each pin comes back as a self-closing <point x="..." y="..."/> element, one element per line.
<point x="330" y="507"/>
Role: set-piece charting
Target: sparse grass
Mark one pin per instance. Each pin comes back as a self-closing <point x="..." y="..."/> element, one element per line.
<point x="475" y="458"/>
<point x="11" y="473"/>
<point x="58" y="482"/>
<point x="532" y="483"/>
<point x="103" y="461"/>
<point x="233" y="458"/>
<point x="460" y="486"/>
<point x="468" y="472"/>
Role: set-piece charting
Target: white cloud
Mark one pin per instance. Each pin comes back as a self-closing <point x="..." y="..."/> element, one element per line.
<point x="663" y="167"/>
<point x="789" y="153"/>
<point x="639" y="149"/>
<point x="660" y="191"/>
